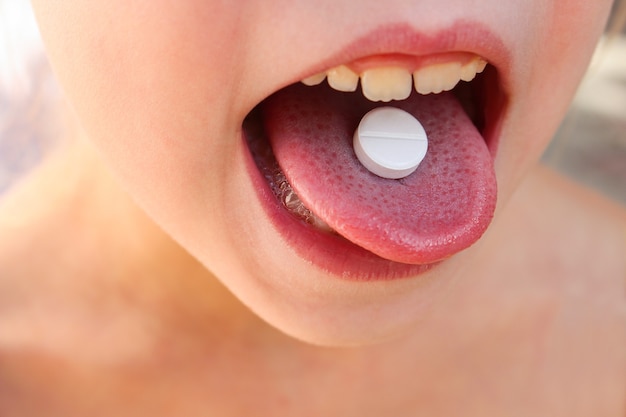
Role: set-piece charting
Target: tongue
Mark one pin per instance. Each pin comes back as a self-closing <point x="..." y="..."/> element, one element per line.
<point x="440" y="209"/>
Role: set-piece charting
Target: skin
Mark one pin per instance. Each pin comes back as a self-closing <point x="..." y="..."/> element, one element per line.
<point x="117" y="233"/>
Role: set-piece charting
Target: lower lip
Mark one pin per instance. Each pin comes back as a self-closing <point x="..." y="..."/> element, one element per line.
<point x="330" y="253"/>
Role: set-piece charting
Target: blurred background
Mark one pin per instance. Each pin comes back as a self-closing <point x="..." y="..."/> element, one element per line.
<point x="29" y="96"/>
<point x="590" y="146"/>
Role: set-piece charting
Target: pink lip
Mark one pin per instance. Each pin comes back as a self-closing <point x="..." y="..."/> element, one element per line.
<point x="335" y="254"/>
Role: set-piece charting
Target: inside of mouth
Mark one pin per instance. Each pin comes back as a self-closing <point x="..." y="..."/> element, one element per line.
<point x="481" y="100"/>
<point x="267" y="164"/>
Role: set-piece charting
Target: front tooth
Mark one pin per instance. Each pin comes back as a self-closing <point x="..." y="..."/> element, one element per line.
<point x="437" y="78"/>
<point x="342" y="78"/>
<point x="386" y="83"/>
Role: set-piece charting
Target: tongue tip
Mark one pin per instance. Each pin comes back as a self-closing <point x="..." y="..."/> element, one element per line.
<point x="422" y="248"/>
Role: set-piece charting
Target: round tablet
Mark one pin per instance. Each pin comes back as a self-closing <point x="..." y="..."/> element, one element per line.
<point x="390" y="142"/>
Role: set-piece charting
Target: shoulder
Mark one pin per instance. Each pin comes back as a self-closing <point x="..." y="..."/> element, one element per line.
<point x="30" y="230"/>
<point x="577" y="211"/>
<point x="68" y="270"/>
<point x="64" y="322"/>
<point x="569" y="225"/>
<point x="47" y="279"/>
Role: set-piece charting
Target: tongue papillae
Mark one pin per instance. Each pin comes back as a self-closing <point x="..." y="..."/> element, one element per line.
<point x="440" y="209"/>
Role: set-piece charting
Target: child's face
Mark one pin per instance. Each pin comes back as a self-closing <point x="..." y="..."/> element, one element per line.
<point x="162" y="88"/>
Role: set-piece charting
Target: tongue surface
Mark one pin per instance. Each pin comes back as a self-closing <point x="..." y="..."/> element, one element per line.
<point x="440" y="209"/>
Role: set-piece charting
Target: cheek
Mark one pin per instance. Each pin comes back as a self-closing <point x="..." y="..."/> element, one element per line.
<point x="129" y="67"/>
<point x="561" y="43"/>
<point x="147" y="81"/>
<point x="567" y="40"/>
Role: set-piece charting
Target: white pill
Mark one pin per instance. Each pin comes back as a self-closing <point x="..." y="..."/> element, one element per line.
<point x="390" y="142"/>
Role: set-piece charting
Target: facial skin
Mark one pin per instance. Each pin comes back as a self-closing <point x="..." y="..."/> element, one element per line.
<point x="162" y="88"/>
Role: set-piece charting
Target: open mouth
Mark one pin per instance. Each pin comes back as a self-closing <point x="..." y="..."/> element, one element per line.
<point x="343" y="218"/>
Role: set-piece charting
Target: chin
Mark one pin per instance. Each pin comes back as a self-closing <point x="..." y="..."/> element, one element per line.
<point x="314" y="306"/>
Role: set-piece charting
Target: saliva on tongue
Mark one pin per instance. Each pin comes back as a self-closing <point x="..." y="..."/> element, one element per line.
<point x="440" y="209"/>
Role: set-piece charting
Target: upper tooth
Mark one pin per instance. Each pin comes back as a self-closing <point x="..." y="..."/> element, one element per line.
<point x="437" y="78"/>
<point x="481" y="64"/>
<point x="386" y="83"/>
<point x="394" y="83"/>
<point x="314" y="79"/>
<point x="343" y="78"/>
<point x="469" y="70"/>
